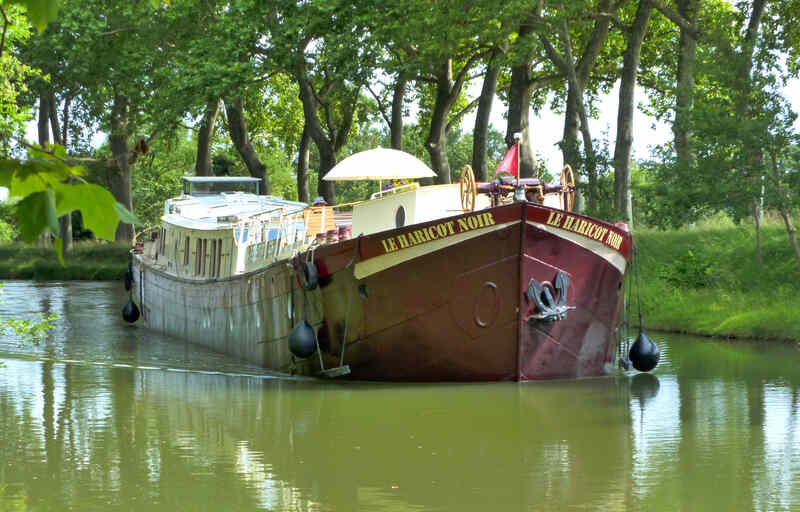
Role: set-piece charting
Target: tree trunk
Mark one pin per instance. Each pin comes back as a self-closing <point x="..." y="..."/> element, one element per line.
<point x="622" y="151"/>
<point x="327" y="161"/>
<point x="437" y="149"/>
<point x="327" y="153"/>
<point x="120" y="170"/>
<point x="436" y="144"/>
<point x="575" y="118"/>
<point x="204" y="136"/>
<point x="43" y="124"/>
<point x="757" y="217"/>
<point x="398" y="99"/>
<point x="578" y="75"/>
<point x="684" y="90"/>
<point x="65" y="116"/>
<point x="59" y="137"/>
<point x="572" y="125"/>
<point x="43" y="128"/>
<point x="480" y="135"/>
<point x="54" y="125"/>
<point x="753" y="150"/>
<point x="519" y="100"/>
<point x="784" y="203"/>
<point x="304" y="150"/>
<point x="792" y="232"/>
<point x="576" y="123"/>
<point x="448" y="88"/>
<point x="590" y="167"/>
<point x="237" y="126"/>
<point x="65" y="232"/>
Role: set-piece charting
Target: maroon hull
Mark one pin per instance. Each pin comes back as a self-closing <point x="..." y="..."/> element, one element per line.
<point x="456" y="305"/>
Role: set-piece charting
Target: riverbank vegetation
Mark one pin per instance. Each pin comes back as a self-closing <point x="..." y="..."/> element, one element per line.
<point x="90" y="260"/>
<point x="708" y="280"/>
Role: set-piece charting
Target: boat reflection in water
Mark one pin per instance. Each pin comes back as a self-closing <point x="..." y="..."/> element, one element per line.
<point x="97" y="437"/>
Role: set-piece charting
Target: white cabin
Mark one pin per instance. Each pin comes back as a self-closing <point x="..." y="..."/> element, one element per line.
<point x="220" y="227"/>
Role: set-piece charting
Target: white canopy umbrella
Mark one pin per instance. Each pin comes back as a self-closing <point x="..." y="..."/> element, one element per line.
<point x="379" y="164"/>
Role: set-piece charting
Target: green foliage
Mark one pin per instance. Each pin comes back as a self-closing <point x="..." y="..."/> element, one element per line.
<point x="737" y="298"/>
<point x="40" y="12"/>
<point x="282" y="179"/>
<point x="14" y="73"/>
<point x="158" y="178"/>
<point x="9" y="232"/>
<point x="738" y="119"/>
<point x="41" y="191"/>
<point x="689" y="271"/>
<point x="96" y="261"/>
<point x="459" y="149"/>
<point x="44" y="185"/>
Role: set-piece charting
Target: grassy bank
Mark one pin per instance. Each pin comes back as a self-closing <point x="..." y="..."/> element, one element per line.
<point x="88" y="261"/>
<point x="706" y="281"/>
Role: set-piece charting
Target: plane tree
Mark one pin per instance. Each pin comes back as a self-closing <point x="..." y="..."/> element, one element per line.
<point x="575" y="40"/>
<point x="120" y="58"/>
<point x="44" y="184"/>
<point x="325" y="47"/>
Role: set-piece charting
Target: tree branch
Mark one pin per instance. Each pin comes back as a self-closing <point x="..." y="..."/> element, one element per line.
<point x="676" y="18"/>
<point x="457" y="118"/>
<point x="381" y="106"/>
<point x="116" y="31"/>
<point x="598" y="39"/>
<point x="347" y="120"/>
<point x="651" y="83"/>
<point x="67" y="161"/>
<point x="461" y="77"/>
<point x="540" y="82"/>
<point x="553" y="54"/>
<point x="6" y="22"/>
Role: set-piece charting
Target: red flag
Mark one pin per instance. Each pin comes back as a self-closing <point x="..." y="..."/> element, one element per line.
<point x="510" y="162"/>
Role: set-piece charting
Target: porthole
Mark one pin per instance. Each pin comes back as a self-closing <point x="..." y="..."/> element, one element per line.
<point x="400" y="217"/>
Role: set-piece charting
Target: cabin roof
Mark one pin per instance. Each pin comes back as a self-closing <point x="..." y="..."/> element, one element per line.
<point x="218" y="179"/>
<point x="224" y="210"/>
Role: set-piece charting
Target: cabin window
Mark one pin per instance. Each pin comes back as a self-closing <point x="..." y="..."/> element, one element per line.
<point x="219" y="254"/>
<point x="186" y="252"/>
<point x="203" y="264"/>
<point x="198" y="249"/>
<point x="213" y="266"/>
<point x="162" y="243"/>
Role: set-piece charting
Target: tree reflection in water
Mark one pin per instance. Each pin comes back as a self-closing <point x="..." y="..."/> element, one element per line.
<point x="89" y="434"/>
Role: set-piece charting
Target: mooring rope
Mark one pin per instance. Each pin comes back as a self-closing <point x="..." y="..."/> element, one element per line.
<point x="626" y="323"/>
<point x="638" y="288"/>
<point x="351" y="264"/>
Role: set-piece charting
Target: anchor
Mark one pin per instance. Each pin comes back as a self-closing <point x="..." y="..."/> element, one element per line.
<point x="549" y="309"/>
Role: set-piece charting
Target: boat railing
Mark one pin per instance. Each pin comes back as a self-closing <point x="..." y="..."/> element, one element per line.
<point x="394" y="190"/>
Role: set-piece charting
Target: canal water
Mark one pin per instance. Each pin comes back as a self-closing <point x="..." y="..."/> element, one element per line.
<point x="106" y="416"/>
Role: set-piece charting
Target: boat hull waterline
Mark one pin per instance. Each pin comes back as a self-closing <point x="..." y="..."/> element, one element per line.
<point x="515" y="292"/>
<point x="458" y="305"/>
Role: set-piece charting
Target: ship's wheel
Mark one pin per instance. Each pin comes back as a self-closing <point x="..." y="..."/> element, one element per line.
<point x="468" y="189"/>
<point x="567" y="188"/>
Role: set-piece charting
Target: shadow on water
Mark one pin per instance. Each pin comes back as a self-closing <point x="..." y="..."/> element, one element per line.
<point x="111" y="417"/>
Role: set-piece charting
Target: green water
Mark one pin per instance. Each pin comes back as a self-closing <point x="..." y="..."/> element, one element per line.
<point x="111" y="417"/>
